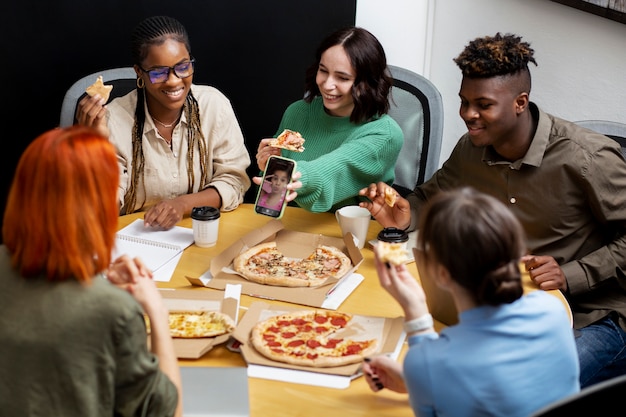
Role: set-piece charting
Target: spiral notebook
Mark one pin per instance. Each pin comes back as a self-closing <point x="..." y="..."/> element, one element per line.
<point x="159" y="249"/>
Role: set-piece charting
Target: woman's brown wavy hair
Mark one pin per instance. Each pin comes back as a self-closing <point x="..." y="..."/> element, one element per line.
<point x="373" y="81"/>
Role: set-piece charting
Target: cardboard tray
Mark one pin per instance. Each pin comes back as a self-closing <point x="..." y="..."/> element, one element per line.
<point x="388" y="331"/>
<point x="227" y="302"/>
<point x="292" y="244"/>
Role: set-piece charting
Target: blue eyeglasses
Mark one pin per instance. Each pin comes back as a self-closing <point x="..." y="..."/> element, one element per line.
<point x="159" y="75"/>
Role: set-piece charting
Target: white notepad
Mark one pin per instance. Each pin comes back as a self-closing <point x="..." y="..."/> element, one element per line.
<point x="159" y="249"/>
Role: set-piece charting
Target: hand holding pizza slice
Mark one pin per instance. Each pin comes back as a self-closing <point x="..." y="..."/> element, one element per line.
<point x="290" y="140"/>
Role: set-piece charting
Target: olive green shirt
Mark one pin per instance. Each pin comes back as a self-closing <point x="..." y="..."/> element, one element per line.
<point x="70" y="350"/>
<point x="569" y="192"/>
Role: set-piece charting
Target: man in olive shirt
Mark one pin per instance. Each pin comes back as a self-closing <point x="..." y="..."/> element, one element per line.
<point x="566" y="184"/>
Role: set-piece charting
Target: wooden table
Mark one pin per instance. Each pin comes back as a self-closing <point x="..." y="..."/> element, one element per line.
<point x="275" y="398"/>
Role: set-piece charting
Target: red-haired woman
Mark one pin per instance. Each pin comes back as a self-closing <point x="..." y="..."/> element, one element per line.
<point x="74" y="344"/>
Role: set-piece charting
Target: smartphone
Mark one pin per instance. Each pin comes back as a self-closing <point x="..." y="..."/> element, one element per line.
<point x="271" y="198"/>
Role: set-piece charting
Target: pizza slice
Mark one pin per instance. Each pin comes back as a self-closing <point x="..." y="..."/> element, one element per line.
<point x="390" y="196"/>
<point x="394" y="253"/>
<point x="197" y="324"/>
<point x="290" y="140"/>
<point x="99" y="87"/>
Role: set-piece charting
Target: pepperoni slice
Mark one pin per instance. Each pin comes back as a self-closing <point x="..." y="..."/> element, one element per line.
<point x="312" y="343"/>
<point x="353" y="349"/>
<point x="332" y="343"/>
<point x="338" y="321"/>
<point x="299" y="322"/>
<point x="295" y="343"/>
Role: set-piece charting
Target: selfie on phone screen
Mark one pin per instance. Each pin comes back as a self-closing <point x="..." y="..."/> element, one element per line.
<point x="273" y="189"/>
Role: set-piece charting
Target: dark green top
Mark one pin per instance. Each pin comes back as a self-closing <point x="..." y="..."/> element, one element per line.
<point x="339" y="157"/>
<point x="69" y="350"/>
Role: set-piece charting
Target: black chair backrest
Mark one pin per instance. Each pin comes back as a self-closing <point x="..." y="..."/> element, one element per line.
<point x="602" y="399"/>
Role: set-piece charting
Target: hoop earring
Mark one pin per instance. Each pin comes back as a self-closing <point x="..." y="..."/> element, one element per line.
<point x="140" y="83"/>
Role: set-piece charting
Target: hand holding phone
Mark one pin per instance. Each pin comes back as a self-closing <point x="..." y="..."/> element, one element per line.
<point x="271" y="198"/>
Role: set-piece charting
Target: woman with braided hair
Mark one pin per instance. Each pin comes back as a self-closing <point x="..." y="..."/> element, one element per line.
<point x="179" y="144"/>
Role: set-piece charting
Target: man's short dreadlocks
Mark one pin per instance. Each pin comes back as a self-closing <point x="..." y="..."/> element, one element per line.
<point x="491" y="56"/>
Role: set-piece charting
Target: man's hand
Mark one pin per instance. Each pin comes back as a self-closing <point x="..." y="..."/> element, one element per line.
<point x="398" y="216"/>
<point x="545" y="272"/>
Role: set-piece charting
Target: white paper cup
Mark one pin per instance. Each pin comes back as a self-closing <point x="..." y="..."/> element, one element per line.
<point x="355" y="220"/>
<point x="205" y="223"/>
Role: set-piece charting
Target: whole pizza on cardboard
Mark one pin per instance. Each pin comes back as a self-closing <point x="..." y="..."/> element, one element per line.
<point x="265" y="264"/>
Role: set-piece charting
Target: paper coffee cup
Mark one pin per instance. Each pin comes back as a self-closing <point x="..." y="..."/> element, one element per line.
<point x="205" y="224"/>
<point x="355" y="220"/>
<point x="393" y="235"/>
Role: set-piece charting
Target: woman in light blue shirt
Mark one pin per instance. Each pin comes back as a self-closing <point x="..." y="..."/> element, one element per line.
<point x="510" y="354"/>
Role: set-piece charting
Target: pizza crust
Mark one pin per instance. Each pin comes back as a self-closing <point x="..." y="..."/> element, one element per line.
<point x="99" y="87"/>
<point x="309" y="338"/>
<point x="264" y="264"/>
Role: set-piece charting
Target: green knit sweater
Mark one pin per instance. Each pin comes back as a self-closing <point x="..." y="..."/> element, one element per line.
<point x="340" y="157"/>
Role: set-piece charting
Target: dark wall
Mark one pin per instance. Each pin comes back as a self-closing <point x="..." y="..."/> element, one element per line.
<point x="254" y="51"/>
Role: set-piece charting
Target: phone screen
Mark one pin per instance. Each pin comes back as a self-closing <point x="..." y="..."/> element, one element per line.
<point x="270" y="199"/>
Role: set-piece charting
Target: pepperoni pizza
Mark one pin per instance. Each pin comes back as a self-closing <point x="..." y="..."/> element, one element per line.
<point x="309" y="338"/>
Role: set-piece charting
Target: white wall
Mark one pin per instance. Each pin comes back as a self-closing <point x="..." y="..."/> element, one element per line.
<point x="581" y="72"/>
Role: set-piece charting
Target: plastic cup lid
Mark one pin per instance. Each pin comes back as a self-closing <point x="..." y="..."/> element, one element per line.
<point x="205" y="213"/>
<point x="393" y="234"/>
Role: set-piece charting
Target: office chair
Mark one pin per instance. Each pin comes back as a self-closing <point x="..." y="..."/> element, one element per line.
<point x="123" y="80"/>
<point x="602" y="399"/>
<point x="614" y="130"/>
<point x="417" y="106"/>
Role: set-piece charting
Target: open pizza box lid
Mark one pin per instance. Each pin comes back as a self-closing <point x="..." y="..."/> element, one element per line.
<point x="292" y="244"/>
<point x="197" y="299"/>
<point x="388" y="332"/>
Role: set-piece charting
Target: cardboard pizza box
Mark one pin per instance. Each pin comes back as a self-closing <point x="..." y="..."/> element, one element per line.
<point x="388" y="331"/>
<point x="197" y="299"/>
<point x="291" y="243"/>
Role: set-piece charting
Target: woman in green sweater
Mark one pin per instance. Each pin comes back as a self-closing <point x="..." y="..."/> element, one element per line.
<point x="351" y="141"/>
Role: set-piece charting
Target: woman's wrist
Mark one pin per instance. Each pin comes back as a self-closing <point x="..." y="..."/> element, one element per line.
<point x="419" y="324"/>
